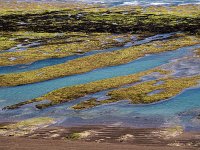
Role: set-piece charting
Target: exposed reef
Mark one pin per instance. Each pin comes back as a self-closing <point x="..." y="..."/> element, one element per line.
<point x="93" y="18"/>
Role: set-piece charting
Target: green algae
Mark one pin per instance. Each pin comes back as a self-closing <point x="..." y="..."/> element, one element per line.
<point x="74" y="136"/>
<point x="139" y="94"/>
<point x="92" y="103"/>
<point x="6" y="43"/>
<point x="89" y="63"/>
<point x="25" y="127"/>
<point x="54" y="45"/>
<point x="170" y="132"/>
<point x="87" y="104"/>
<point x="11" y="39"/>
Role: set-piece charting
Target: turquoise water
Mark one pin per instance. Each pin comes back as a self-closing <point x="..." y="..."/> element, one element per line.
<point x="12" y="95"/>
<point x="55" y="61"/>
<point x="168" y="112"/>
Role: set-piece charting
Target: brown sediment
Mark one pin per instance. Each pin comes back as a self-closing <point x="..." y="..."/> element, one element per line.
<point x="110" y="136"/>
<point x="10" y="143"/>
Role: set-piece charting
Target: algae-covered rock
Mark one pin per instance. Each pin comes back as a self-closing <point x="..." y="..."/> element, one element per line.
<point x="97" y="19"/>
<point x="26" y="126"/>
<point x="81" y="135"/>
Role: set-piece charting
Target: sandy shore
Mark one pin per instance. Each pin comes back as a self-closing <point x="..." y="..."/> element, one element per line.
<point x="103" y="137"/>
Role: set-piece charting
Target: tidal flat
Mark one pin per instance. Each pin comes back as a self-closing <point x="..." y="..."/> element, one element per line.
<point x="92" y="62"/>
<point x="77" y="71"/>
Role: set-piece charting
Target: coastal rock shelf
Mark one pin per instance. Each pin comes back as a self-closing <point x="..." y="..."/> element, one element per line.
<point x="101" y="19"/>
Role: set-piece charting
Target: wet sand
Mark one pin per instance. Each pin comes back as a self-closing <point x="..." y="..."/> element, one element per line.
<point x="103" y="137"/>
